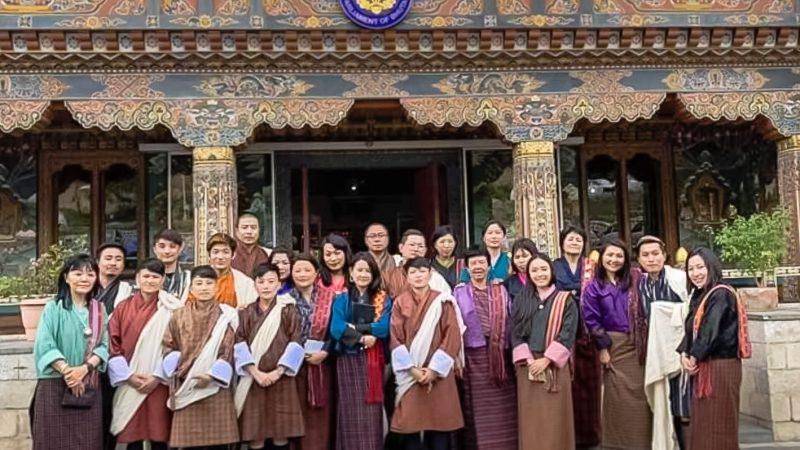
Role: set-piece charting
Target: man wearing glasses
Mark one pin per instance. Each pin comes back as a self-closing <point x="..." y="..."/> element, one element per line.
<point x="376" y="236"/>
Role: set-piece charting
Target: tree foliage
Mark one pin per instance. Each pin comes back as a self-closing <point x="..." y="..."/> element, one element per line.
<point x="755" y="244"/>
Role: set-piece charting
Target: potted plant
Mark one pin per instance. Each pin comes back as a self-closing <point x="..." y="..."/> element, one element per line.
<point x="756" y="245"/>
<point x="34" y="289"/>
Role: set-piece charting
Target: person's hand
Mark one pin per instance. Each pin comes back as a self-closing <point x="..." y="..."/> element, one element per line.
<point x="78" y="390"/>
<point x="202" y="380"/>
<point x="459" y="369"/>
<point x="272" y="377"/>
<point x="136" y="381"/>
<point x="428" y="376"/>
<point x="416" y="373"/>
<point x="259" y="377"/>
<point x="317" y="358"/>
<point x="147" y="383"/>
<point x="689" y="364"/>
<point x="74" y="375"/>
<point x="538" y="366"/>
<point x="605" y="358"/>
<point x="368" y="341"/>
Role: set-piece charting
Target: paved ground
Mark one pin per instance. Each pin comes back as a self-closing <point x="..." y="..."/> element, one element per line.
<point x="752" y="436"/>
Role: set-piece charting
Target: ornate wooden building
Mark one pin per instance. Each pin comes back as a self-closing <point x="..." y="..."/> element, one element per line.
<point x="120" y="117"/>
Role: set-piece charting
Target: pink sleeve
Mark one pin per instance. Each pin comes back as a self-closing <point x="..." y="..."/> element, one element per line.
<point x="557" y="353"/>
<point x="521" y="353"/>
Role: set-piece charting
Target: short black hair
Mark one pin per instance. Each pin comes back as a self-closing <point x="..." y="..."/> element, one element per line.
<point x="247" y="214"/>
<point x="375" y="224"/>
<point x="566" y="232"/>
<point x="221" y="239"/>
<point x="265" y="268"/>
<point x="309" y="258"/>
<point x="472" y="253"/>
<point x="152" y="265"/>
<point x="417" y="263"/>
<point x="648" y="239"/>
<point x="170" y="235"/>
<point x="205" y="271"/>
<point x="410" y="232"/>
<point x="440" y="232"/>
<point x="713" y="266"/>
<point x="107" y="245"/>
<point x="522" y="244"/>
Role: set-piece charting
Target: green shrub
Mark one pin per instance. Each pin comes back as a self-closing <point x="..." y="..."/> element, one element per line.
<point x="43" y="275"/>
<point x="756" y="244"/>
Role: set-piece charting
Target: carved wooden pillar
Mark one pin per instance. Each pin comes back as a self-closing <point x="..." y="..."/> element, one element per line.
<point x="789" y="188"/>
<point x="214" y="186"/>
<point x="535" y="195"/>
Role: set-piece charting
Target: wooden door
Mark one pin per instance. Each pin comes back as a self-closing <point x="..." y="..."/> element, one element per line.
<point x="628" y="192"/>
<point x="430" y="193"/>
<point x="96" y="193"/>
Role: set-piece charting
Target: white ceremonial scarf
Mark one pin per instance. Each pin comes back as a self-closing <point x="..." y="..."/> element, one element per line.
<point x="147" y="355"/>
<point x="421" y="345"/>
<point x="189" y="392"/>
<point x="663" y="362"/>
<point x="261" y="343"/>
<point x="245" y="288"/>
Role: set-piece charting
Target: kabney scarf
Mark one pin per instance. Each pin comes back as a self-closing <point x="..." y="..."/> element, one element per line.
<point x="703" y="387"/>
<point x="554" y="323"/>
<point x="146" y="358"/>
<point x="260" y="345"/>
<point x="317" y="394"/>
<point x="188" y="392"/>
<point x="375" y="357"/>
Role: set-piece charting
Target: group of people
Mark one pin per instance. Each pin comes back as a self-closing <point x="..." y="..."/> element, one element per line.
<point x="475" y="349"/>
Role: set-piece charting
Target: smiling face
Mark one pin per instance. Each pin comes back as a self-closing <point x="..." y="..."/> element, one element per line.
<point x="652" y="258"/>
<point x="267" y="285"/>
<point x="539" y="272"/>
<point x="167" y="251"/>
<point x="111" y="262"/>
<point x="493" y="237"/>
<point x="281" y="261"/>
<point x="220" y="257"/>
<point x="203" y="289"/>
<point x="361" y="274"/>
<point x="303" y="274"/>
<point x="613" y="259"/>
<point x="697" y="271"/>
<point x="81" y="281"/>
<point x="149" y="282"/>
<point x="247" y="230"/>
<point x="478" y="268"/>
<point x="413" y="247"/>
<point x="573" y="244"/>
<point x="333" y="258"/>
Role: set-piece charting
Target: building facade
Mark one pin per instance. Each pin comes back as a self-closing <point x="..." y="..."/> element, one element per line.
<point x="122" y="117"/>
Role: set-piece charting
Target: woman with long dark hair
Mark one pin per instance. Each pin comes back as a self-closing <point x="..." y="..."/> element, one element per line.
<point x="360" y="325"/>
<point x="573" y="272"/>
<point x="615" y="321"/>
<point x="544" y="322"/>
<point x="443" y="259"/>
<point x="712" y="350"/>
<point x="521" y="253"/>
<point x="71" y="347"/>
<point x="281" y="258"/>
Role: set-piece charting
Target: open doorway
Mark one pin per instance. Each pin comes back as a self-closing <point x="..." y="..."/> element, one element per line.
<point x="344" y="194"/>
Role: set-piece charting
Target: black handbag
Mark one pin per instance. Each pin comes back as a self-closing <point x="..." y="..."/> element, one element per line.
<point x="91" y="391"/>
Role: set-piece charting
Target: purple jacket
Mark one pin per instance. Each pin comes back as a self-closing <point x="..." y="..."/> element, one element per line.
<point x="605" y="308"/>
<point x="473" y="335"/>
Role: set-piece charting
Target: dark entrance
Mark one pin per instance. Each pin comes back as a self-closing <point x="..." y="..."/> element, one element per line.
<point x="343" y="193"/>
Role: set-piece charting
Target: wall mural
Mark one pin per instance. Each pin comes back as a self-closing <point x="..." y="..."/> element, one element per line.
<point x="344" y="14"/>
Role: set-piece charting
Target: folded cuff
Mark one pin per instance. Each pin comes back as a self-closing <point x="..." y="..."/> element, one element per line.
<point x="521" y="353"/>
<point x="441" y="363"/>
<point x="292" y="359"/>
<point x="169" y="365"/>
<point x="242" y="357"/>
<point x="401" y="359"/>
<point x="221" y="372"/>
<point x="118" y="371"/>
<point x="557" y="353"/>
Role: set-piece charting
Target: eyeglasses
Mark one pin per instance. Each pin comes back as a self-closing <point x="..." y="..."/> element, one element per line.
<point x="376" y="235"/>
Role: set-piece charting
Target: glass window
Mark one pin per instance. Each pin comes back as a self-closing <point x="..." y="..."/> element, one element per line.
<point x="18" y="183"/>
<point x="254" y="178"/>
<point x="490" y="177"/>
<point x="73" y="186"/>
<point x="182" y="206"/>
<point x="157" y="217"/>
<point x="569" y="177"/>
<point x="121" y="200"/>
<point x="601" y="184"/>
<point x="644" y="197"/>
<point x="721" y="174"/>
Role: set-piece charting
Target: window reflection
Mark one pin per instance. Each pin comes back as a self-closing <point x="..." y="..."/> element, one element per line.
<point x="17" y="208"/>
<point x="601" y="182"/>
<point x="491" y="180"/>
<point x="73" y="185"/>
<point x="121" y="201"/>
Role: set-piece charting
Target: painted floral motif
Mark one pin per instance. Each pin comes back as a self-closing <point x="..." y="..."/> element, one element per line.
<point x="128" y="86"/>
<point x="780" y="107"/>
<point x="489" y="84"/>
<point x="90" y="22"/>
<point x="513" y="7"/>
<point x="32" y="87"/>
<point x="752" y="19"/>
<point x="438" y="21"/>
<point x="605" y="81"/>
<point x="50" y="6"/>
<point x="372" y="85"/>
<point x="562" y="7"/>
<point x="204" y="21"/>
<point x="715" y="80"/>
<point x="637" y="20"/>
<point x="313" y="21"/>
<point x="254" y="86"/>
<point x="21" y="115"/>
<point x="130" y="8"/>
<point x="539" y="21"/>
<point x="234" y="8"/>
<point x="178" y="7"/>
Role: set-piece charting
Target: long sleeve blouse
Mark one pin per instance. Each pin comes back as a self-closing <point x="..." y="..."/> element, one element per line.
<point x="347" y="337"/>
<point x="605" y="308"/>
<point x="718" y="336"/>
